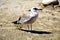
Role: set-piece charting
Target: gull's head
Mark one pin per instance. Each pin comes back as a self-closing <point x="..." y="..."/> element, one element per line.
<point x="34" y="9"/>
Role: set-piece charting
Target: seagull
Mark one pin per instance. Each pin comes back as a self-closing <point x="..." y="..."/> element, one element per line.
<point x="29" y="18"/>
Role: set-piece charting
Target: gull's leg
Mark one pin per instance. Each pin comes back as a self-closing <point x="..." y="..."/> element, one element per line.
<point x="29" y="29"/>
<point x="31" y="26"/>
<point x="28" y="26"/>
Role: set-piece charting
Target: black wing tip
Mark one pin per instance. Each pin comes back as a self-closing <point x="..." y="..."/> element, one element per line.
<point x="15" y="22"/>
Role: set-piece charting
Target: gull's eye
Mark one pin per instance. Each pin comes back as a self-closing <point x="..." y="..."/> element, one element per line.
<point x="35" y="8"/>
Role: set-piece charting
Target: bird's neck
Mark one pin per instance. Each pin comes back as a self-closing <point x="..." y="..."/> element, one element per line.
<point x="33" y="13"/>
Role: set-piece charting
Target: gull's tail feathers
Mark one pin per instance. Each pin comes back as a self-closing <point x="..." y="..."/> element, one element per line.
<point x="15" y="22"/>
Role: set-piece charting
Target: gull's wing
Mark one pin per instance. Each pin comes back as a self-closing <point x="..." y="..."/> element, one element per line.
<point x="25" y="18"/>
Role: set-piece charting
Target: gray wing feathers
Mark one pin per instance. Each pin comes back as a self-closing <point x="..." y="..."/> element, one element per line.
<point x="25" y="18"/>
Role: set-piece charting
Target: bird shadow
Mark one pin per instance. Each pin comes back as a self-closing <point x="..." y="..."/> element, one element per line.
<point x="36" y="32"/>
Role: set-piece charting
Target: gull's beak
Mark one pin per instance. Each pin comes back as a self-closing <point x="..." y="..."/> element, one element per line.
<point x="39" y="9"/>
